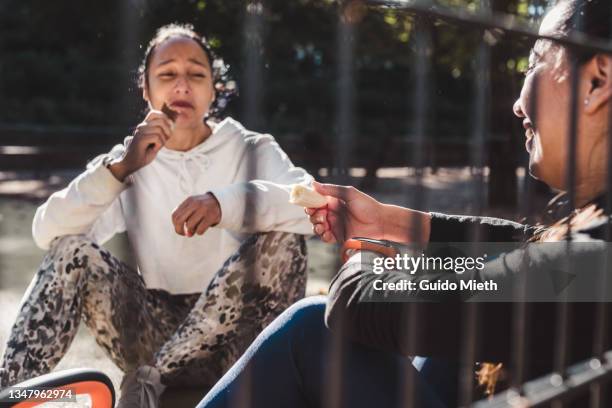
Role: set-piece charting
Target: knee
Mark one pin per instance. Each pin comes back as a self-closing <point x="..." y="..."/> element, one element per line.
<point x="69" y="256"/>
<point x="70" y="245"/>
<point x="271" y="243"/>
<point x="306" y="314"/>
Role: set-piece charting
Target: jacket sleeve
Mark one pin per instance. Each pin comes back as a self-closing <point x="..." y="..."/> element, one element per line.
<point x="465" y="228"/>
<point x="89" y="205"/>
<point x="435" y="322"/>
<point x="262" y="203"/>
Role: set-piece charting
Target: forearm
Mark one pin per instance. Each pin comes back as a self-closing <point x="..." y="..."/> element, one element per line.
<point x="75" y="209"/>
<point x="259" y="205"/>
<point x="466" y="228"/>
<point x="405" y="225"/>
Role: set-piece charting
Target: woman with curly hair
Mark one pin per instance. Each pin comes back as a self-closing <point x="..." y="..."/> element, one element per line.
<point x="220" y="251"/>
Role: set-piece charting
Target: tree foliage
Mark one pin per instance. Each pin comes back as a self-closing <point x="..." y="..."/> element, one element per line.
<point x="73" y="63"/>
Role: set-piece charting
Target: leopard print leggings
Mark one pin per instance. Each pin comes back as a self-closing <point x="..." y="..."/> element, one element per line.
<point x="192" y="339"/>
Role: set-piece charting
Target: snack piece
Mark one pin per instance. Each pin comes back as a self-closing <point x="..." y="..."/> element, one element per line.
<point x="305" y="197"/>
<point x="172" y="114"/>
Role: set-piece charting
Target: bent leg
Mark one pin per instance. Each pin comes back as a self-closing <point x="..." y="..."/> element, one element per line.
<point x="129" y="321"/>
<point x="77" y="277"/>
<point x="265" y="276"/>
<point x="289" y="365"/>
<point x="48" y="317"/>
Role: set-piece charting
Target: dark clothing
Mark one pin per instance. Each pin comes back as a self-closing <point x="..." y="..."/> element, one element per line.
<point x="362" y="361"/>
<point x="441" y="325"/>
<point x="297" y="362"/>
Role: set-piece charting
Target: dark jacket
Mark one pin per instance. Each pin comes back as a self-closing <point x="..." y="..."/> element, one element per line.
<point x="437" y="328"/>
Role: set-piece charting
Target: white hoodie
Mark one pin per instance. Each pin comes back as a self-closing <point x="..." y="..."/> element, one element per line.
<point x="248" y="173"/>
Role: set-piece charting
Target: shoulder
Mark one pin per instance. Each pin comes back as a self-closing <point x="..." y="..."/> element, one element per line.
<point x="231" y="128"/>
<point x="116" y="152"/>
<point x="597" y="228"/>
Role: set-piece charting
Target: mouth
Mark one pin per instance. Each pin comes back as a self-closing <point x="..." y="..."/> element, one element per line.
<point x="530" y="135"/>
<point x="181" y="104"/>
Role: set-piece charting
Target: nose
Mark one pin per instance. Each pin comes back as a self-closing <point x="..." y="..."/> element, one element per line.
<point x="517" y="108"/>
<point x="181" y="86"/>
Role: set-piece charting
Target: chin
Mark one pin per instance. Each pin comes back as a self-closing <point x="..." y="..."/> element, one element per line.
<point x="533" y="170"/>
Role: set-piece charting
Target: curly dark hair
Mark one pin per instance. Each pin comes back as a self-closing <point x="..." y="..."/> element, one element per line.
<point x="224" y="85"/>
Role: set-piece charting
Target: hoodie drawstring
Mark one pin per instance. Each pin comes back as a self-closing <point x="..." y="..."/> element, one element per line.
<point x="186" y="181"/>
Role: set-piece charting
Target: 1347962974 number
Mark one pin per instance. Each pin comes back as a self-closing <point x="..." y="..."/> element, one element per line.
<point x="39" y="394"/>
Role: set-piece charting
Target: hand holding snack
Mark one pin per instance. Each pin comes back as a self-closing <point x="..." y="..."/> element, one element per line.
<point x="196" y="214"/>
<point x="149" y="137"/>
<point x="349" y="213"/>
<point x="305" y="197"/>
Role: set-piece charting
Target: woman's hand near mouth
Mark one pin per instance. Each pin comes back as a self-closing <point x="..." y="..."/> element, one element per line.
<point x="149" y="137"/>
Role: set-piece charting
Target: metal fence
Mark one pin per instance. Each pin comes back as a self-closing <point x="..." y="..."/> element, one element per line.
<point x="570" y="378"/>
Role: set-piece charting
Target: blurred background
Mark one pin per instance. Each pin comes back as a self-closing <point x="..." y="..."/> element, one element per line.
<point x="334" y="82"/>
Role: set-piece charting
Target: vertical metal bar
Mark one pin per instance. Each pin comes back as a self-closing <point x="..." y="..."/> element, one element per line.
<point x="416" y="156"/>
<point x="253" y="118"/>
<point x="564" y="309"/>
<point x="128" y="50"/>
<point x="345" y="104"/>
<point x="521" y="308"/>
<point x="252" y="88"/>
<point x="345" y="38"/>
<point x="598" y="391"/>
<point x="481" y="121"/>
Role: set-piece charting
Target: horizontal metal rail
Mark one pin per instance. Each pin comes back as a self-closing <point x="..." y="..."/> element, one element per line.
<point x="491" y="21"/>
<point x="552" y="387"/>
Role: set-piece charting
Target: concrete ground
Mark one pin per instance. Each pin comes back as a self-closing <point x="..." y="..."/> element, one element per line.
<point x="449" y="190"/>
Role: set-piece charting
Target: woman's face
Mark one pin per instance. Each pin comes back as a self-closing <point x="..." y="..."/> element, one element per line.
<point x="180" y="75"/>
<point x="544" y="105"/>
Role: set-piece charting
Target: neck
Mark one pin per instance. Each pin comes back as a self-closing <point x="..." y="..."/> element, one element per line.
<point x="184" y="139"/>
<point x="586" y="192"/>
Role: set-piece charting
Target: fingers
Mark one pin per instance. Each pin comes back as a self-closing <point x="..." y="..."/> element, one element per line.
<point x="197" y="223"/>
<point x="152" y="140"/>
<point x="324" y="232"/>
<point x="158" y="115"/>
<point x="180" y="216"/>
<point x="193" y="216"/>
<point x="328" y="237"/>
<point x="319" y="216"/>
<point x="158" y="126"/>
<point x="345" y="193"/>
<point x="320" y="225"/>
<point x="309" y="211"/>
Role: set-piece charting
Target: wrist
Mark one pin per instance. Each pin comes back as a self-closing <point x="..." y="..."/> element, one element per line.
<point x="118" y="169"/>
<point x="217" y="210"/>
<point x="405" y="225"/>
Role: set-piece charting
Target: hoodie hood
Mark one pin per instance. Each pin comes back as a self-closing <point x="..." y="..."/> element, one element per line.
<point x="197" y="160"/>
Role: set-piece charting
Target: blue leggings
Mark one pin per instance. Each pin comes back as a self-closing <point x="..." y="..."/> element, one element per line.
<point x="297" y="362"/>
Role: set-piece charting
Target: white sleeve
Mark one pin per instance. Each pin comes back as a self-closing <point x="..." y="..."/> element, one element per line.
<point x="88" y="205"/>
<point x="262" y="203"/>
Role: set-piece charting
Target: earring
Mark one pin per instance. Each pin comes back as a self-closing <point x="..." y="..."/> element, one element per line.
<point x="586" y="101"/>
